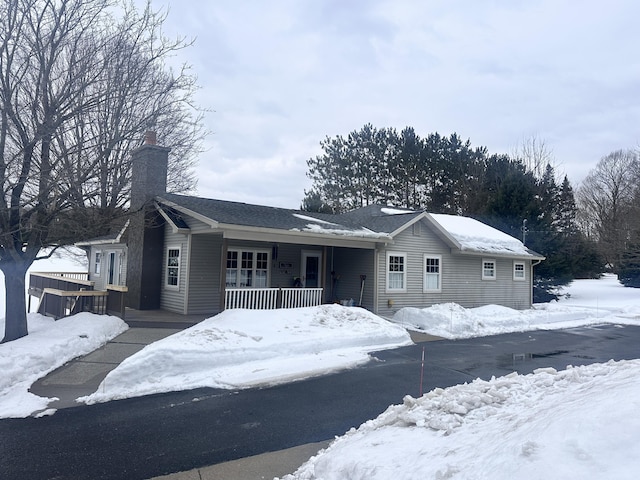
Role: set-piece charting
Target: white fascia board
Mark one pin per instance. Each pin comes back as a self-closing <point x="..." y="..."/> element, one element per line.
<point x="439" y="230"/>
<point x="513" y="256"/>
<point x="407" y="225"/>
<point x="89" y="243"/>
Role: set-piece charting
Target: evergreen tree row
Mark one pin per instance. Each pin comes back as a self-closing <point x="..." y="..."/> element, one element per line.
<point x="443" y="174"/>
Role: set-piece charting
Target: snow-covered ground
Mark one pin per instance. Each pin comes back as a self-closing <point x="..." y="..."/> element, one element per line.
<point x="49" y="345"/>
<point x="581" y="422"/>
<point x="578" y="423"/>
<point x="584" y="302"/>
<point x="247" y="348"/>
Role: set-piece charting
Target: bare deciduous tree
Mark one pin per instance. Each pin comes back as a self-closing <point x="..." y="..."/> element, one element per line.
<point x="535" y="155"/>
<point x="80" y="80"/>
<point x="606" y="201"/>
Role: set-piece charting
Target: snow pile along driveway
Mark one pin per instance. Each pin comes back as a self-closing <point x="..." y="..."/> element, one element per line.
<point x="581" y="422"/>
<point x="245" y="348"/>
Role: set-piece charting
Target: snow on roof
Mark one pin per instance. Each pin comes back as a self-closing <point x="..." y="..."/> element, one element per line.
<point x="395" y="211"/>
<point x="478" y="237"/>
<point x="312" y="219"/>
<point x="359" y="232"/>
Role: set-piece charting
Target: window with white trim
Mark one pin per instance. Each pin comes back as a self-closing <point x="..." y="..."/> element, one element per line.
<point x="488" y="269"/>
<point x="518" y="271"/>
<point x="173" y="268"/>
<point x="432" y="273"/>
<point x="396" y="271"/>
<point x="247" y="268"/>
<point x="96" y="263"/>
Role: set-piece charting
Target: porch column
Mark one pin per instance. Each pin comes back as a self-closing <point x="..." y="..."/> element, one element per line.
<point x="223" y="273"/>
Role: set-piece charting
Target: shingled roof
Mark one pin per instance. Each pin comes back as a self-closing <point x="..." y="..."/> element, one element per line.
<point x="260" y="216"/>
<point x="371" y="222"/>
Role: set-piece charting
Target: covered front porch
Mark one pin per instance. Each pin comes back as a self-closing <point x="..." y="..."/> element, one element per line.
<point x="215" y="273"/>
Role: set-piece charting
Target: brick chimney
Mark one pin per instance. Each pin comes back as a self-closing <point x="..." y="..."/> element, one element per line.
<point x="146" y="229"/>
<point x="148" y="171"/>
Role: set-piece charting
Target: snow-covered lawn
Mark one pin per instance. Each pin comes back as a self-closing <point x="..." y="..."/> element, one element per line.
<point x="245" y="348"/>
<point x="585" y="302"/>
<point x="49" y="345"/>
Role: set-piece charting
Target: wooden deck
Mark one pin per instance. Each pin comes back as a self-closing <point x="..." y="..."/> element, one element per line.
<point x="161" y="319"/>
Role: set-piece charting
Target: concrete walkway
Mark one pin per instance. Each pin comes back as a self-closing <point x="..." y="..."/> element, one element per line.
<point x="259" y="467"/>
<point x="83" y="375"/>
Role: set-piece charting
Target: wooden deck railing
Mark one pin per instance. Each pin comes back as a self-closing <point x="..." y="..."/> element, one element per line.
<point x="63" y="303"/>
<point x="66" y="293"/>
<point x="270" y="298"/>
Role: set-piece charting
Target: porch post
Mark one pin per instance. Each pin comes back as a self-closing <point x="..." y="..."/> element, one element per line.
<point x="223" y="274"/>
<point x="325" y="260"/>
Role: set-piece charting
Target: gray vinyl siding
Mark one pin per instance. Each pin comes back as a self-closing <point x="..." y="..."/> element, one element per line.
<point x="204" y="274"/>
<point x="349" y="264"/>
<point x="287" y="267"/>
<point x="171" y="299"/>
<point x="461" y="277"/>
<point x="196" y="226"/>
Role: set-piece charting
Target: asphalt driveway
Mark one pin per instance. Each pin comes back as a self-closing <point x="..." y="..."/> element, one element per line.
<point x="150" y="436"/>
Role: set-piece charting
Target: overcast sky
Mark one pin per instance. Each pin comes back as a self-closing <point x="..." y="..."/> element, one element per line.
<point x="280" y="76"/>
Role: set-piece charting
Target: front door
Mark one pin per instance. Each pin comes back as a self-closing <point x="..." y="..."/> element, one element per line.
<point x="112" y="269"/>
<point x="311" y="273"/>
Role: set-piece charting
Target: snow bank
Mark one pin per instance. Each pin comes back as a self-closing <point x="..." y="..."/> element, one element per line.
<point x="244" y="348"/>
<point x="578" y="423"/>
<point x="49" y="345"/>
<point x="584" y="302"/>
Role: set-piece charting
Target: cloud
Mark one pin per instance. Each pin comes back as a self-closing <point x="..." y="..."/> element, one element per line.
<point x="282" y="75"/>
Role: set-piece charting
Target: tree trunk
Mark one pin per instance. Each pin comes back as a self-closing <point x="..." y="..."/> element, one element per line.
<point x="16" y="307"/>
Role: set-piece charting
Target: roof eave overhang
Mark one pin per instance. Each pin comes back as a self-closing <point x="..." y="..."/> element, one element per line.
<point x="167" y="218"/>
<point x="242" y="232"/>
<point x="90" y="243"/>
<point x="198" y="216"/>
<point x="105" y="241"/>
<point x="514" y="256"/>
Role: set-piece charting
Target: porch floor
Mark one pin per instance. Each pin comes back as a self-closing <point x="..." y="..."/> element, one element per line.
<point x="162" y="319"/>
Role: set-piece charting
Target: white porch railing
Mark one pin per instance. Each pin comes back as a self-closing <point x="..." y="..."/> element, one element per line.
<point x="301" y="297"/>
<point x="270" y="298"/>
